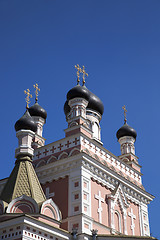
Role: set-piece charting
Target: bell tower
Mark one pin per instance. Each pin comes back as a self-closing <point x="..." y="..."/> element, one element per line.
<point x="84" y="107"/>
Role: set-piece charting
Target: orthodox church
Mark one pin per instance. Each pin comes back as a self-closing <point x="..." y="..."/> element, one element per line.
<point x="73" y="188"/>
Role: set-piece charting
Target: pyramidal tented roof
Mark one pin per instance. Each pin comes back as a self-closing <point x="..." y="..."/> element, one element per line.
<point x="23" y="181"/>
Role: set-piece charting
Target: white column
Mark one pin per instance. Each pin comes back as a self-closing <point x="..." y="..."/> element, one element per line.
<point x="125" y="222"/>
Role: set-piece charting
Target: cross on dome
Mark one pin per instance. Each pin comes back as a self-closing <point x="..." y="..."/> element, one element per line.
<point x="28" y="97"/>
<point x="125" y="111"/>
<point x="84" y="73"/>
<point x="36" y="91"/>
<point x="78" y="71"/>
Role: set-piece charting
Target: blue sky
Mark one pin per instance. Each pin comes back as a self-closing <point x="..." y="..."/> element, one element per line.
<point x="118" y="41"/>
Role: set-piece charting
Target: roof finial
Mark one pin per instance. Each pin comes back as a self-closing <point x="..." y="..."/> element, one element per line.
<point x="36" y="91"/>
<point x="78" y="71"/>
<point x="28" y="97"/>
<point x="125" y="110"/>
<point x="84" y="73"/>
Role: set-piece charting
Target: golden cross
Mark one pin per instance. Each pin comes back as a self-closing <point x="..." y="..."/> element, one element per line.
<point x="84" y="73"/>
<point x="36" y="92"/>
<point x="28" y="96"/>
<point x="78" y="71"/>
<point x="125" y="110"/>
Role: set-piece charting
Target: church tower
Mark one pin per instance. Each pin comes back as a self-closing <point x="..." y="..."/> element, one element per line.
<point x="93" y="188"/>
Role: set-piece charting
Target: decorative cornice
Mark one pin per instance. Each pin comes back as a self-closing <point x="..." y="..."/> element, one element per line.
<point x="56" y="147"/>
<point x="108" y="178"/>
<point x="100" y="173"/>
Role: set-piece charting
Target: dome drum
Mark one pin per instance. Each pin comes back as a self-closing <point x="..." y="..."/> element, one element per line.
<point x="95" y="114"/>
<point x="25" y="138"/>
<point x="78" y="107"/>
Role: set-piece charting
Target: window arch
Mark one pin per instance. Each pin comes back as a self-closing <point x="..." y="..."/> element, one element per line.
<point x="117" y="221"/>
<point x="95" y="130"/>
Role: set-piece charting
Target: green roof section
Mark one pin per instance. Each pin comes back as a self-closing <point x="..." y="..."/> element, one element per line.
<point x="23" y="181"/>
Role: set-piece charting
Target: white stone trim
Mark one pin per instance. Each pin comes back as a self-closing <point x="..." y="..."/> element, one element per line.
<point x="97" y="171"/>
<point x="144" y="220"/>
<point x="86" y="179"/>
<point x="40" y="162"/>
<point x="22" y="199"/>
<point x="119" y="220"/>
<point x="73" y="150"/>
<point x="56" y="145"/>
<point x="62" y="154"/>
<point x="49" y="160"/>
<point x="50" y="202"/>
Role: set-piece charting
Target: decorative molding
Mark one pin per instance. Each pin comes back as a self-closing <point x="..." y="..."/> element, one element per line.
<point x="50" y="160"/>
<point x="56" y="147"/>
<point x="53" y="207"/>
<point x="115" y="163"/>
<point x="103" y="175"/>
<point x="74" y="150"/>
<point x="63" y="155"/>
<point x="119" y="221"/>
<point x="25" y="200"/>
<point x="111" y="181"/>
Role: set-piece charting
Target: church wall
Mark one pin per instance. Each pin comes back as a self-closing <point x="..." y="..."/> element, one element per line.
<point x="135" y="209"/>
<point x="101" y="229"/>
<point x="78" y="130"/>
<point x="95" y="190"/>
<point x="54" y="224"/>
<point x="64" y="225"/>
<point x="59" y="188"/>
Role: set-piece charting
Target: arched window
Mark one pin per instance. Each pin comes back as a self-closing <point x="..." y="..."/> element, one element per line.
<point x="117" y="221"/>
<point x="95" y="130"/>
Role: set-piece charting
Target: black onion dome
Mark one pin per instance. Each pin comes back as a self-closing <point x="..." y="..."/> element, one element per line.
<point x="126" y="130"/>
<point x="78" y="91"/>
<point x="37" y="110"/>
<point x="26" y="122"/>
<point x="95" y="103"/>
<point x="66" y="108"/>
